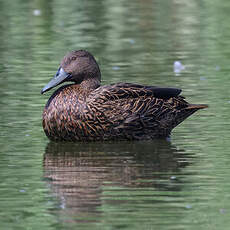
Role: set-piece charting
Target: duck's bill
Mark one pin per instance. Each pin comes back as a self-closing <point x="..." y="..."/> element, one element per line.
<point x="58" y="78"/>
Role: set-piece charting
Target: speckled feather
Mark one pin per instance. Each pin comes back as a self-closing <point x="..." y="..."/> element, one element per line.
<point x="122" y="111"/>
<point x="114" y="112"/>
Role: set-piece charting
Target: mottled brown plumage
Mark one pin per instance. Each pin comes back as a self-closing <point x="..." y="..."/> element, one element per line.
<point x="86" y="111"/>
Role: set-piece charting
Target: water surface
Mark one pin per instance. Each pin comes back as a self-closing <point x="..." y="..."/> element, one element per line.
<point x="181" y="183"/>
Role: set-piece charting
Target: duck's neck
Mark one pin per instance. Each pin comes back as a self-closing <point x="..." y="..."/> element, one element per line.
<point x="90" y="84"/>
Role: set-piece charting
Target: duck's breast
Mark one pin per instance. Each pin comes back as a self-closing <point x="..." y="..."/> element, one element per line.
<point x="63" y="113"/>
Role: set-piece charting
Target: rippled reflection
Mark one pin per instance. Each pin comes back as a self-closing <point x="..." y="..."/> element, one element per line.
<point x="81" y="175"/>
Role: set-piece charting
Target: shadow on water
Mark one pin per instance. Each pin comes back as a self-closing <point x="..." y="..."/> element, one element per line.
<point x="84" y="176"/>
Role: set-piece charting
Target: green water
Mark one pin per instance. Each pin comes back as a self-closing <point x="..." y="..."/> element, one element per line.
<point x="178" y="184"/>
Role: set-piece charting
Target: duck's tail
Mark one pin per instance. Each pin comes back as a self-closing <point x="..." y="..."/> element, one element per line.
<point x="187" y="111"/>
<point x="196" y="107"/>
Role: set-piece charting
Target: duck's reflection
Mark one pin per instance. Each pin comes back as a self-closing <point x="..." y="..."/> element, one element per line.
<point x="79" y="174"/>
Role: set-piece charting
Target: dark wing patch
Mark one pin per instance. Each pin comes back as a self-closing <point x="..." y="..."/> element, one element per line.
<point x="166" y="93"/>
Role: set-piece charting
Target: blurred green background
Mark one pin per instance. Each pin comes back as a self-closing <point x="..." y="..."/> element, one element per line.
<point x="178" y="184"/>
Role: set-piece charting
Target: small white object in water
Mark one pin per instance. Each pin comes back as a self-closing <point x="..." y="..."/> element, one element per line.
<point x="222" y="210"/>
<point x="37" y="12"/>
<point x="217" y="68"/>
<point x="202" y="78"/>
<point x="188" y="206"/>
<point x="115" y="67"/>
<point x="173" y="177"/>
<point x="178" y="67"/>
<point x="132" y="41"/>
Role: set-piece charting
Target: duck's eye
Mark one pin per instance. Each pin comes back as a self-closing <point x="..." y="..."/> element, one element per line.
<point x="73" y="58"/>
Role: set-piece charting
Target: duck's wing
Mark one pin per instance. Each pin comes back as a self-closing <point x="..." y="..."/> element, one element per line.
<point x="136" y="111"/>
<point x="126" y="100"/>
<point x="129" y="90"/>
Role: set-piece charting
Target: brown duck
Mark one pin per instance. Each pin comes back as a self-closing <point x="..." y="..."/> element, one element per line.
<point x="87" y="111"/>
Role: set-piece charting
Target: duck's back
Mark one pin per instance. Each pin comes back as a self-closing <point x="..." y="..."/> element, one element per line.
<point x="114" y="112"/>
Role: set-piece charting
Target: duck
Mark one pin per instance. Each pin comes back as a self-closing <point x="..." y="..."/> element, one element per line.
<point x="85" y="110"/>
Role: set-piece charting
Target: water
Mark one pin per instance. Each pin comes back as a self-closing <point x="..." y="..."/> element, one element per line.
<point x="180" y="183"/>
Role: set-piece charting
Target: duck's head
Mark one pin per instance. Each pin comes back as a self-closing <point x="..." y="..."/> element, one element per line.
<point x="79" y="67"/>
